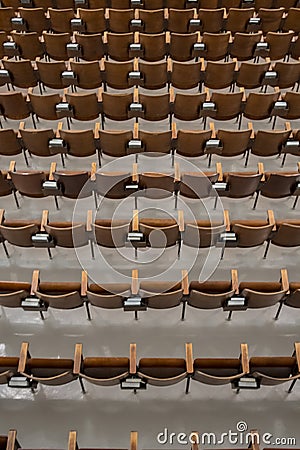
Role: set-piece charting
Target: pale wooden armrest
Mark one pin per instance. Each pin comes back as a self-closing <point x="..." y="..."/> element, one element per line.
<point x="297" y="354"/>
<point x="136" y="37"/>
<point x="277" y="90"/>
<point x="93" y="171"/>
<point x="72" y="444"/>
<point x="136" y="14"/>
<point x="185" y="282"/>
<point x="64" y="97"/>
<point x="174" y="131"/>
<point x="135" y="220"/>
<point x="177" y="172"/>
<point x="219" y="171"/>
<point x="212" y="129"/>
<point x="181" y="221"/>
<point x="261" y="170"/>
<point x="288" y="126"/>
<point x="244" y="98"/>
<point x="136" y="95"/>
<point x="134" y="281"/>
<point x="169" y="64"/>
<point x="96" y="130"/>
<point x="52" y="171"/>
<point x="285" y="280"/>
<point x="236" y="67"/>
<point x="250" y="127"/>
<point x="202" y="64"/>
<point x="235" y="280"/>
<point x="12" y="443"/>
<point x="254" y="440"/>
<point x="77" y="359"/>
<point x="206" y="90"/>
<point x="172" y="95"/>
<point x="298" y="165"/>
<point x="102" y="64"/>
<point x="226" y="220"/>
<point x="12" y="168"/>
<point x="89" y="220"/>
<point x="44" y="220"/>
<point x="99" y="94"/>
<point x="105" y="40"/>
<point x="136" y="64"/>
<point x="195" y="16"/>
<point x="198" y="36"/>
<point x="245" y="358"/>
<point x="59" y="127"/>
<point x="135" y="175"/>
<point x="271" y="219"/>
<point x="230" y="38"/>
<point x="195" y="440"/>
<point x="168" y="37"/>
<point x="35" y="282"/>
<point x="21" y="127"/>
<point x="134" y="440"/>
<point x="84" y="283"/>
<point x="24" y="354"/>
<point x="132" y="364"/>
<point x="2" y="212"/>
<point x="136" y="131"/>
<point x="189" y="358"/>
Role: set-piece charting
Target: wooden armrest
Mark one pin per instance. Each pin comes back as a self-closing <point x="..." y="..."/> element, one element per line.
<point x="136" y="37"/>
<point x="84" y="283"/>
<point x="212" y="129"/>
<point x="21" y="127"/>
<point x="185" y="282"/>
<point x="271" y="219"/>
<point x="135" y="220"/>
<point x="35" y="282"/>
<point x="168" y="37"/>
<point x="134" y="440"/>
<point x="202" y="67"/>
<point x="104" y="38"/>
<point x="236" y="67"/>
<point x="284" y="280"/>
<point x="261" y="170"/>
<point x="93" y="171"/>
<point x="52" y="171"/>
<point x="244" y="98"/>
<point x="99" y="94"/>
<point x="181" y="221"/>
<point x="245" y="358"/>
<point x="176" y="172"/>
<point x="189" y="358"/>
<point x="77" y="359"/>
<point x="250" y="127"/>
<point x="59" y="127"/>
<point x="298" y="165"/>
<point x="102" y="64"/>
<point x="132" y="364"/>
<point x="174" y="131"/>
<point x="198" y="36"/>
<point x="226" y="220"/>
<point x="72" y="444"/>
<point x="134" y="281"/>
<point x="206" y="90"/>
<point x="171" y="95"/>
<point x="136" y="13"/>
<point x="235" y="280"/>
<point x="24" y="354"/>
<point x="277" y="90"/>
<point x="135" y="175"/>
<point x="219" y="170"/>
<point x="64" y="97"/>
<point x="169" y="64"/>
<point x="195" y="16"/>
<point x="254" y="440"/>
<point x="2" y="212"/>
<point x="297" y="354"/>
<point x="96" y="130"/>
<point x="136" y="95"/>
<point x="136" y="64"/>
<point x="44" y="220"/>
<point x="12" y="168"/>
<point x="136" y="131"/>
<point x="12" y="442"/>
<point x="195" y="440"/>
<point x="288" y="126"/>
<point x="89" y="220"/>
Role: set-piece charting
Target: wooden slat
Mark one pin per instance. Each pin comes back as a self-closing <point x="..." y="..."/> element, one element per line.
<point x="135" y="220"/>
<point x="189" y="358"/>
<point x="52" y="171"/>
<point x="35" y="282"/>
<point x="134" y="281"/>
<point x="297" y="354"/>
<point x="84" y="283"/>
<point x="245" y="358"/>
<point x="226" y="220"/>
<point x="77" y="359"/>
<point x="72" y="444"/>
<point x="235" y="280"/>
<point x="44" y="221"/>
<point x="185" y="282"/>
<point x="93" y="171"/>
<point x="285" y="280"/>
<point x="271" y="219"/>
<point x="181" y="221"/>
<point x="11" y="440"/>
<point x="132" y="365"/>
<point x="219" y="170"/>
<point x="89" y="220"/>
<point x="23" y="356"/>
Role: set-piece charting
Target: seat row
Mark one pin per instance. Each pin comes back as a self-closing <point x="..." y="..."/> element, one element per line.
<point x="124" y="75"/>
<point x="241" y="372"/>
<point x="117" y="143"/>
<point x="149" y="21"/>
<point x="154" y="108"/>
<point x="150" y="47"/>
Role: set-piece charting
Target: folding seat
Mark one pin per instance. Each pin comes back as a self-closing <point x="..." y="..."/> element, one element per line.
<point x="90" y="46"/>
<point x="115" y="106"/>
<point x="260" y="106"/>
<point x="237" y="19"/>
<point x="185" y="75"/>
<point x="10" y="143"/>
<point x="211" y="294"/>
<point x="14" y="106"/>
<point x="221" y="371"/>
<point x="8" y="369"/>
<point x="84" y="107"/>
<point x="118" y="45"/>
<point x="243" y="184"/>
<point x="62" y="4"/>
<point x="56" y="45"/>
<point x="154" y="4"/>
<point x="79" y="143"/>
<point x="60" y="20"/>
<point x="219" y="75"/>
<point x="267" y="4"/>
<point x="6" y="187"/>
<point x="96" y="4"/>
<point x="114" y="143"/>
<point x="288" y="74"/>
<point x="291" y="300"/>
<point x="216" y="45"/>
<point x="274" y="370"/>
<point x="227" y="4"/>
<point x="287" y="233"/>
<point x="44" y="106"/>
<point x="166" y="371"/>
<point x="93" y="19"/>
<point x="199" y="185"/>
<point x="120" y="4"/>
<point x="270" y="143"/>
<point x="292" y="109"/>
<point x="49" y="74"/>
<point x="156" y="107"/>
<point x="152" y="21"/>
<point x="252" y="76"/>
<point x="112" y="185"/>
<point x="192" y="144"/>
<point x="155" y="75"/>
<point x="270" y="19"/>
<point x="87" y="74"/>
<point x="223" y="106"/>
<point x="3" y="38"/>
<point x="36" y="142"/>
<point x="48" y="371"/>
<point x="12" y="293"/>
<point x="158" y="185"/>
<point x="202" y="233"/>
<point x="104" y="371"/>
<point x="21" y="73"/>
<point x="188" y="106"/>
<point x="279" y="44"/>
<point x="153" y="46"/>
<point x="34" y="19"/>
<point x="244" y="45"/>
<point x="212" y="20"/>
<point x="119" y="20"/>
<point x="181" y="46"/>
<point x="292" y="20"/>
<point x="117" y="74"/>
<point x="6" y="14"/>
<point x="179" y="4"/>
<point x="157" y="143"/>
<point x="179" y="20"/>
<point x="108" y="233"/>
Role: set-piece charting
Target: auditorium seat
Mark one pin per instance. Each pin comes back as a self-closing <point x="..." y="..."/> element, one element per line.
<point x="34" y="19"/>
